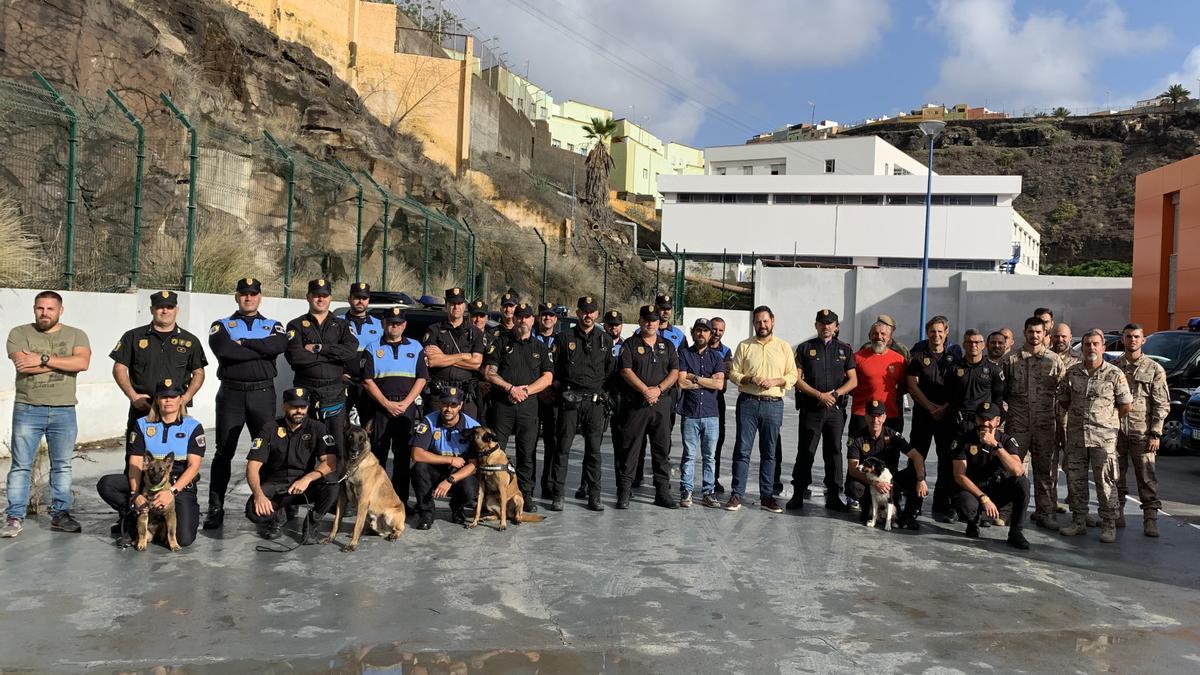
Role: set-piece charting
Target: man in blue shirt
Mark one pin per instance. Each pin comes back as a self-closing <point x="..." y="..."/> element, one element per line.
<point x="701" y="378"/>
<point x="442" y="462"/>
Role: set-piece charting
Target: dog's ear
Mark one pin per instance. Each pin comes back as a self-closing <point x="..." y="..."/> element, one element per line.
<point x="490" y="437"/>
<point x="369" y="426"/>
<point x="146" y="459"/>
<point x="169" y="459"/>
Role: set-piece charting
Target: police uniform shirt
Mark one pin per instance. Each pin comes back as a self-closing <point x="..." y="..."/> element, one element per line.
<point x="287" y="455"/>
<point x="432" y="435"/>
<point x="183" y="437"/>
<point x="930" y="370"/>
<point x="262" y="340"/>
<point x="339" y="348"/>
<point x="727" y="359"/>
<point x="824" y="365"/>
<point x="674" y="334"/>
<point x="888" y="448"/>
<point x="584" y="360"/>
<point x="982" y="460"/>
<point x="394" y="366"/>
<point x="650" y="364"/>
<point x="465" y="339"/>
<point x="549" y="340"/>
<point x="368" y="329"/>
<point x="969" y="384"/>
<point x="152" y="356"/>
<point x="518" y="362"/>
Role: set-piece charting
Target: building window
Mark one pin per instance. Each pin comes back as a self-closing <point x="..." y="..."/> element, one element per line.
<point x="747" y="170"/>
<point x="829" y="165"/>
<point x="778" y="169"/>
<point x="645" y="173"/>
<point x="555" y="143"/>
<point x="900" y="171"/>
<point x="721" y="171"/>
<point x="571" y="147"/>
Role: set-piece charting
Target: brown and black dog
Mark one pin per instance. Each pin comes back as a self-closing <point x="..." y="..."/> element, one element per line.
<point x="368" y="486"/>
<point x="498" y="489"/>
<point x="156" y="477"/>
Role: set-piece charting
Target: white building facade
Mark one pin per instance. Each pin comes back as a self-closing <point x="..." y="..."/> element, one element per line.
<point x="844" y="202"/>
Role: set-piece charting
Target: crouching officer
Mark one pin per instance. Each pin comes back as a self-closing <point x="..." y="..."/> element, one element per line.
<point x="394" y="374"/>
<point x="881" y="442"/>
<point x="989" y="473"/>
<point x="583" y="363"/>
<point x="442" y="462"/>
<point x="246" y="345"/>
<point x="290" y="462"/>
<point x="164" y="432"/>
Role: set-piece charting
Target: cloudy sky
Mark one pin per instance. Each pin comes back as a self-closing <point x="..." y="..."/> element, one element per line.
<point x="713" y="72"/>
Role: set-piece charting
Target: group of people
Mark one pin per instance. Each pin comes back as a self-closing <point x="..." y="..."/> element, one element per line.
<point x="993" y="413"/>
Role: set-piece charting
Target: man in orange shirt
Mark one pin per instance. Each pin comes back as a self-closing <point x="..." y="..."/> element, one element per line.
<point x="880" y="378"/>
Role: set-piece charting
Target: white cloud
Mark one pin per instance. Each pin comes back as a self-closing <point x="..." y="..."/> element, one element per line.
<point x="1043" y="59"/>
<point x="685" y="49"/>
<point x="1187" y="75"/>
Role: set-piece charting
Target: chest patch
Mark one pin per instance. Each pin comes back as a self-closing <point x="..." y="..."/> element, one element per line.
<point x="379" y="353"/>
<point x="305" y="323"/>
<point x="151" y="431"/>
<point x="812" y="352"/>
<point x="641" y="350"/>
<point x="143" y="343"/>
<point x="866" y="447"/>
<point x="926" y="360"/>
<point x="974" y="449"/>
<point x="280" y="432"/>
<point x="437" y="435"/>
<point x="960" y="372"/>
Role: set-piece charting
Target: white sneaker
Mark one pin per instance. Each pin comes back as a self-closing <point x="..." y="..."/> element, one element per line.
<point x="12" y="527"/>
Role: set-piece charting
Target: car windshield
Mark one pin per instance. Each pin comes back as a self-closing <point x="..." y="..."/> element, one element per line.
<point x="1171" y="349"/>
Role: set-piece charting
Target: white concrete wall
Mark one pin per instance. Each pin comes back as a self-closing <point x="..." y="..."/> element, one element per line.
<point x="737" y="322"/>
<point x="105" y="317"/>
<point x="858" y="155"/>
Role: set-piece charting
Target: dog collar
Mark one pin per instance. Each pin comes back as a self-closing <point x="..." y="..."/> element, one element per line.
<point x="496" y="468"/>
<point x="161" y="486"/>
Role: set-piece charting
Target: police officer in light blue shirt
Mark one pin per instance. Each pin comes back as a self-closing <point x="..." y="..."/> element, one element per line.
<point x="665" y="328"/>
<point x="442" y="462"/>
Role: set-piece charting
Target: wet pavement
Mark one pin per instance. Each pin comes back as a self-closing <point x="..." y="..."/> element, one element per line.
<point x="643" y="590"/>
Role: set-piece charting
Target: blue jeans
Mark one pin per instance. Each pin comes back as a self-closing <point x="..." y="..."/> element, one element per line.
<point x="764" y="418"/>
<point x="30" y="423"/>
<point x="698" y="432"/>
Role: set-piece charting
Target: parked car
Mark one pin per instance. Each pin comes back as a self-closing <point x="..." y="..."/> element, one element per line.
<point x="1178" y="351"/>
<point x="1190" y="424"/>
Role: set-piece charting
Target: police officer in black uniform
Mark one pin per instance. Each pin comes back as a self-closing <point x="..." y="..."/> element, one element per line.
<point x="989" y="473"/>
<point x="369" y="330"/>
<point x="508" y="304"/>
<point x="455" y="349"/>
<point x="292" y="462"/>
<point x="583" y="364"/>
<point x="877" y="441"/>
<point x="546" y="331"/>
<point x="826" y="374"/>
<point x="394" y="374"/>
<point x="928" y="366"/>
<point x="321" y="347"/>
<point x="519" y="367"/>
<point x="160" y="350"/>
<point x="613" y="326"/>
<point x="675" y="335"/>
<point x="477" y="313"/>
<point x="443" y="464"/>
<point x="246" y="345"/>
<point x="649" y="367"/>
<point x="971" y="381"/>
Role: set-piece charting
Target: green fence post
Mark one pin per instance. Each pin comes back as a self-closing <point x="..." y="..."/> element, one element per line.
<point x="471" y="281"/>
<point x="291" y="195"/>
<point x="454" y="256"/>
<point x="682" y="293"/>
<point x="136" y="246"/>
<point x="193" y="165"/>
<point x="358" y="223"/>
<point x="386" y="226"/>
<point x="545" y="263"/>
<point x="604" y="297"/>
<point x="425" y="263"/>
<point x="72" y="156"/>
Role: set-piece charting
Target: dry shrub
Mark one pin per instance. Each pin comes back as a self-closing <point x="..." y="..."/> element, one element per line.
<point x="221" y="257"/>
<point x="17" y="247"/>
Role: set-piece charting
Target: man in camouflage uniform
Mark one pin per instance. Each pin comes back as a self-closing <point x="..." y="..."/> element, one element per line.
<point x="1096" y="397"/>
<point x="1060" y="343"/>
<point x="1032" y="374"/>
<point x="1141" y="432"/>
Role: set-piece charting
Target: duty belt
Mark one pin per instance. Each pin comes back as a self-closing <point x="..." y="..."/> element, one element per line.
<point x="234" y="385"/>
<point x="317" y="384"/>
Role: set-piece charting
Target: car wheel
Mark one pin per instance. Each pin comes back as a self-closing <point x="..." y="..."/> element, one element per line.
<point x="1172" y="437"/>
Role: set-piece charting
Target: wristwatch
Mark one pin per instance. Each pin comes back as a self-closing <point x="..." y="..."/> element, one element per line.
<point x="45" y="359"/>
<point x="450" y="479"/>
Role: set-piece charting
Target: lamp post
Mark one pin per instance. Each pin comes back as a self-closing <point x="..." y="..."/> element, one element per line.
<point x="930" y="128"/>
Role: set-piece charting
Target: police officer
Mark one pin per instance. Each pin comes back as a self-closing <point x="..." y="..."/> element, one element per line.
<point x="321" y="347"/>
<point x="508" y="303"/>
<point x="1032" y="374"/>
<point x="292" y="461"/>
<point x="826" y="370"/>
<point x="455" y="349"/>
<point x="160" y="350"/>
<point x="547" y="333"/>
<point x="442" y="462"/>
<point x="519" y="367"/>
<point x="989" y="474"/>
<point x="369" y="330"/>
<point x="931" y="422"/>
<point x="876" y="440"/>
<point x="614" y="324"/>
<point x="477" y="312"/>
<point x="394" y="375"/>
<point x="674" y="334"/>
<point x="1141" y="432"/>
<point x="583" y="364"/>
<point x="971" y="381"/>
<point x="649" y="367"/>
<point x="165" y="431"/>
<point x="246" y="345"/>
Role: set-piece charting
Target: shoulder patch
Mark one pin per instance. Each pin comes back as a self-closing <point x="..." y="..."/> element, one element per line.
<point x="421" y="428"/>
<point x="216" y="327"/>
<point x="132" y="436"/>
<point x="278" y="327"/>
<point x="291" y="334"/>
<point x="327" y="439"/>
<point x="201" y="440"/>
<point x="256" y="443"/>
<point x="117" y="347"/>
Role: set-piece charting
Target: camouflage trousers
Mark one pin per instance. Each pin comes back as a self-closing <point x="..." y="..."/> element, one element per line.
<point x="1133" y="450"/>
<point x="1103" y="463"/>
<point x="1041" y="455"/>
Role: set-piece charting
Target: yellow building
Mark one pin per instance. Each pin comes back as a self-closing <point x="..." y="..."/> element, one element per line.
<point x="639" y="158"/>
<point x="523" y="95"/>
<point x="567" y="122"/>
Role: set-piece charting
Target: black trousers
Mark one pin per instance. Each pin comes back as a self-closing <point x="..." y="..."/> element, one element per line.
<point x="322" y="494"/>
<point x="1003" y="491"/>
<point x="904" y="493"/>
<point x="720" y="434"/>
<point x="859" y="425"/>
<point x="653" y="423"/>
<point x="618" y="445"/>
<point x="235" y="409"/>
<point x="114" y="490"/>
<point x="940" y="433"/>
<point x="425" y="478"/>
<point x="824" y="427"/>
<point x="548" y="419"/>
<point x="587" y="419"/>
<point x="519" y="421"/>
<point x="393" y="436"/>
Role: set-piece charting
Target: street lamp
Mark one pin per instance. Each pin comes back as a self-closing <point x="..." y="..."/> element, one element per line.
<point x="930" y="128"/>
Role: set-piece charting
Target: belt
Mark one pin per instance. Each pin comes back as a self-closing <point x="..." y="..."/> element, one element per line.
<point x="756" y="397"/>
<point x="234" y="385"/>
<point x="317" y="384"/>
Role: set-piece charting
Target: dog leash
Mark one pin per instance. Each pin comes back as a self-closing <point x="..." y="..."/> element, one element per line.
<point x="263" y="548"/>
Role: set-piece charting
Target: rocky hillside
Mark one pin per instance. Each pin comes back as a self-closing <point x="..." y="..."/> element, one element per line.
<point x="1078" y="172"/>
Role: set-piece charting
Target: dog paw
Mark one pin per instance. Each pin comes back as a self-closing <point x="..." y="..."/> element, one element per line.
<point x="349" y="548"/>
<point x="140" y="547"/>
<point x="176" y="548"/>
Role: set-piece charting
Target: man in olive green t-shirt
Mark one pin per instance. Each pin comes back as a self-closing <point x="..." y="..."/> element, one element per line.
<point x="48" y="356"/>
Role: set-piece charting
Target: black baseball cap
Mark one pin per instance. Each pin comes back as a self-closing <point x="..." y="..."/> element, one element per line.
<point x="546" y="308"/>
<point x="249" y="285"/>
<point x="295" y="397"/>
<point x="319" y="287"/>
<point x="478" y="307"/>
<point x="360" y="289"/>
<point x="168" y="387"/>
<point x="876" y="407"/>
<point x="164" y="299"/>
<point x="702" y="323"/>
<point x="648" y="312"/>
<point x="613" y="318"/>
<point x="395" y="315"/>
<point x="522" y="309"/>
<point x="987" y="410"/>
<point x="663" y="302"/>
<point x="827" y="316"/>
<point x="455" y="295"/>
<point x="587" y="304"/>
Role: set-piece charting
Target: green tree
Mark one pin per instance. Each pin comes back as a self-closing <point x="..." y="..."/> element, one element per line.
<point x="1060" y="112"/>
<point x="1091" y="268"/>
<point x="1177" y="94"/>
<point x="598" y="164"/>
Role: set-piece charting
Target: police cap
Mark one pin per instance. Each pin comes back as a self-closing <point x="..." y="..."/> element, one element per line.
<point x="987" y="410"/>
<point x="296" y="397"/>
<point x="587" y="304"/>
<point x="876" y="407"/>
<point x="164" y="299"/>
<point x="360" y="289"/>
<point x="663" y="302"/>
<point x="395" y="315"/>
<point x="455" y="295"/>
<point x="702" y="323"/>
<point x="319" y="287"/>
<point x="648" y="312"/>
<point x="509" y="298"/>
<point x="546" y="308"/>
<point x="827" y="316"/>
<point x="478" y="307"/>
<point x="451" y="395"/>
<point x="613" y="318"/>
<point x="168" y="387"/>
<point x="522" y="310"/>
<point x="249" y="285"/>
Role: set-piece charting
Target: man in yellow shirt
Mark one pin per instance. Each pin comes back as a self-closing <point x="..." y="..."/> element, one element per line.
<point x="763" y="368"/>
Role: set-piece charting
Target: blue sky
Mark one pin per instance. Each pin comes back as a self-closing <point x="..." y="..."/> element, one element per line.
<point x="713" y="72"/>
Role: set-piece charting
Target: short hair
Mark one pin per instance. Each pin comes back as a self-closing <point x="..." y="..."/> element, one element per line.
<point x="763" y="308"/>
<point x="994" y="334"/>
<point x="1032" y="322"/>
<point x="47" y="294"/>
<point x="1132" y="326"/>
<point x="1043" y="310"/>
<point x="971" y="332"/>
<point x="936" y="320"/>
<point x="716" y="318"/>
<point x="1095" y="332"/>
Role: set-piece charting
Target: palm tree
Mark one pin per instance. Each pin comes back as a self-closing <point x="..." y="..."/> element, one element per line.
<point x="598" y="163"/>
<point x="1060" y="112"/>
<point x="1177" y="94"/>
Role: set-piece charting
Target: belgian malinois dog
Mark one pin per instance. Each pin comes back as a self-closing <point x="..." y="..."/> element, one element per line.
<point x="498" y="489"/>
<point x="368" y="486"/>
<point x="156" y="477"/>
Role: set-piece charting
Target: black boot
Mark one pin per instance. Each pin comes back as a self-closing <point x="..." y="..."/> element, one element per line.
<point x="308" y="532"/>
<point x="1016" y="539"/>
<point x="215" y="518"/>
<point x="594" y="502"/>
<point x="622" y="498"/>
